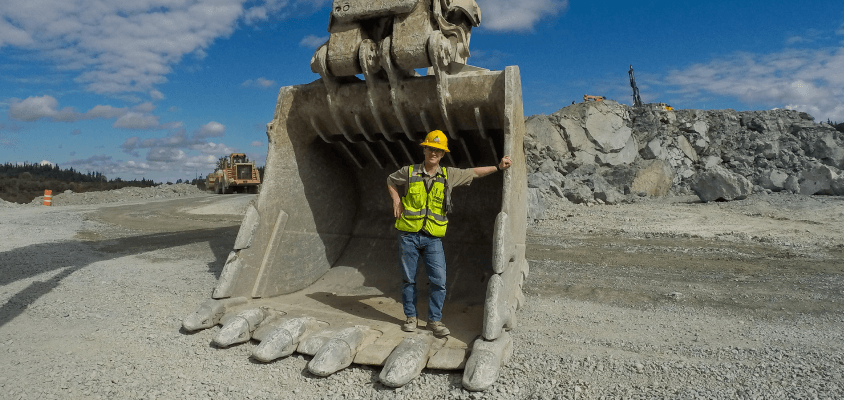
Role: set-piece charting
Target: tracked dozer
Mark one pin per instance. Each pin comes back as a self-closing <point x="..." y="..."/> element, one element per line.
<point x="315" y="266"/>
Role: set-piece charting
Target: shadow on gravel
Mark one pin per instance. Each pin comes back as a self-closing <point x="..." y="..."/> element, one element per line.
<point x="71" y="256"/>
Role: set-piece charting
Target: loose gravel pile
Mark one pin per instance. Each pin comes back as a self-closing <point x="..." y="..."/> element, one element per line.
<point x="127" y="194"/>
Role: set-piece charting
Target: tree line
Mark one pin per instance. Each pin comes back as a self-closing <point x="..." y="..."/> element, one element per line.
<point x="21" y="183"/>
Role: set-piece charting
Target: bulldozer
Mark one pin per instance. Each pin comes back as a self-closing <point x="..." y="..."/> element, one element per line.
<point x="236" y="174"/>
<point x="314" y="268"/>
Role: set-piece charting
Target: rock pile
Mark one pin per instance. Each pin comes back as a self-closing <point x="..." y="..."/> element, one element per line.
<point x="606" y="152"/>
<point x="126" y="194"/>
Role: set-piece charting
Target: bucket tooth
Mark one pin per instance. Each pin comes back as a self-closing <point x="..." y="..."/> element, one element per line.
<point x="486" y="360"/>
<point x="339" y="351"/>
<point x="210" y="312"/>
<point x="406" y="362"/>
<point x="239" y="328"/>
<point x="284" y="339"/>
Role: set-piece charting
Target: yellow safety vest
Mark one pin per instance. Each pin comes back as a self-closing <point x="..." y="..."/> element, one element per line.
<point x="424" y="208"/>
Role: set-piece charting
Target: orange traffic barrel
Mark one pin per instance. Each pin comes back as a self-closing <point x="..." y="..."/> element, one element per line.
<point x="48" y="197"/>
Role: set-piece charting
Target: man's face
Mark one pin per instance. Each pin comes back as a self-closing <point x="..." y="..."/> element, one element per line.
<point x="432" y="155"/>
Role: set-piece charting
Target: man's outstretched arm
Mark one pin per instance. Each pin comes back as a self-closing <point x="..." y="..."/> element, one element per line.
<point x="484" y="171"/>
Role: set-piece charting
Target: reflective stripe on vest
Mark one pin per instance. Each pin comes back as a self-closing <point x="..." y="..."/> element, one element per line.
<point x="423" y="208"/>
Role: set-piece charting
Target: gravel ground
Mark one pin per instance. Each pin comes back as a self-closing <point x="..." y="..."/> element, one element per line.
<point x="662" y="299"/>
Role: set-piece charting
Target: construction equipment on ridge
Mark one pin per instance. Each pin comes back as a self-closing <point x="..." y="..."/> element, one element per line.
<point x="314" y="267"/>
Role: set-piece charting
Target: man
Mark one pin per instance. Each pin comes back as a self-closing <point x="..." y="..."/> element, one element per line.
<point x="421" y="219"/>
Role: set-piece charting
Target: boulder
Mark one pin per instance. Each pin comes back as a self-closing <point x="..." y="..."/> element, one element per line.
<point x="605" y="123"/>
<point x="578" y="193"/>
<point x="773" y="180"/>
<point x="687" y="148"/>
<point x="718" y="183"/>
<point x="547" y="134"/>
<point x="817" y="180"/>
<point x="653" y="150"/>
<point x="602" y="190"/>
<point x="654" y="178"/>
<point x="837" y="186"/>
<point x="535" y="204"/>
<point x="626" y="156"/>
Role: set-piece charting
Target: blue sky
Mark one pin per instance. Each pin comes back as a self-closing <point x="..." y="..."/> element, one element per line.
<point x="161" y="88"/>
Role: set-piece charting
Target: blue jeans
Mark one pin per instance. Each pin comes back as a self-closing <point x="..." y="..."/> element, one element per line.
<point x="411" y="245"/>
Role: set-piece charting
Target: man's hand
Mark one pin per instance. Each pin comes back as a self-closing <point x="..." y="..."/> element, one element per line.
<point x="505" y="163"/>
<point x="398" y="208"/>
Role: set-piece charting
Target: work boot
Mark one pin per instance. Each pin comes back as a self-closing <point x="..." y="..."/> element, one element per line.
<point x="438" y="328"/>
<point x="409" y="325"/>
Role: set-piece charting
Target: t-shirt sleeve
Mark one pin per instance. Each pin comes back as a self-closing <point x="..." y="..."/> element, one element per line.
<point x="460" y="176"/>
<point x="398" y="178"/>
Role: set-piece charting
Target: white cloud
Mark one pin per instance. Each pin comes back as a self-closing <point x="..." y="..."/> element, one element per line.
<point x="126" y="46"/>
<point x="313" y="41"/>
<point x="806" y="80"/>
<point x="144" y="107"/>
<point x="105" y="112"/>
<point x="509" y="15"/>
<point x="156" y="95"/>
<point x="260" y="82"/>
<point x="136" y="120"/>
<point x="33" y="108"/>
<point x="211" y="129"/>
<point x="218" y="149"/>
<point x="256" y="144"/>
<point x="166" y="154"/>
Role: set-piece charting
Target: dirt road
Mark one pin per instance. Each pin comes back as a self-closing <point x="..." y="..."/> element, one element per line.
<point x="668" y="299"/>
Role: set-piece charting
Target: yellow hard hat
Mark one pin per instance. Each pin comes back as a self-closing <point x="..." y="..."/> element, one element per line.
<point x="437" y="140"/>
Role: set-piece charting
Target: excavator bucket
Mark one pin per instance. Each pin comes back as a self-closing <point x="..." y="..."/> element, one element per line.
<point x="315" y="265"/>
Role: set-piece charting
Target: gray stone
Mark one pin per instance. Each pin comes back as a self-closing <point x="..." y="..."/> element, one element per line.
<point x="537" y="180"/>
<point x="605" y="123"/>
<point x="817" y="180"/>
<point x="710" y="161"/>
<point x="535" y="204"/>
<point x="626" y="156"/>
<point x="653" y="150"/>
<point x="605" y="192"/>
<point x="717" y="183"/>
<point x="773" y="180"/>
<point x="577" y="192"/>
<point x="825" y="148"/>
<point x="654" y="178"/>
<point x="837" y="186"/>
<point x="580" y="145"/>
<point x="546" y="134"/>
<point x="792" y="184"/>
<point x="687" y="148"/>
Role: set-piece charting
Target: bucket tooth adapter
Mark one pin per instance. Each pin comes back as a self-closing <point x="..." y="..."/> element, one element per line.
<point x="315" y="266"/>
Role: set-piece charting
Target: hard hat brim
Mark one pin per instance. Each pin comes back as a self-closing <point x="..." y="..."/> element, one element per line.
<point x="435" y="145"/>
